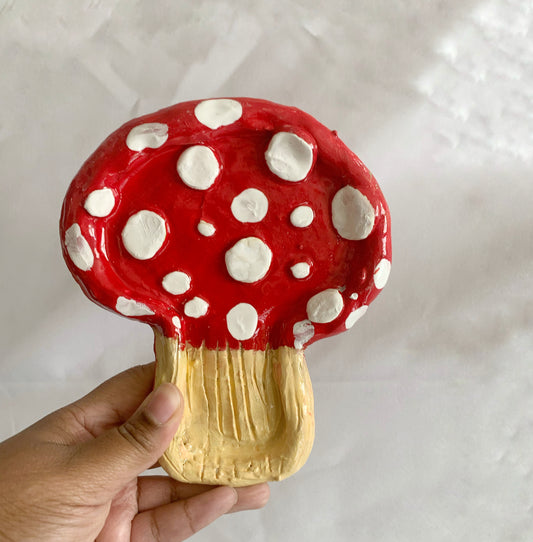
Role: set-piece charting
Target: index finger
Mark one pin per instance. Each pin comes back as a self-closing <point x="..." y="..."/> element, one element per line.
<point x="108" y="405"/>
<point x="115" y="400"/>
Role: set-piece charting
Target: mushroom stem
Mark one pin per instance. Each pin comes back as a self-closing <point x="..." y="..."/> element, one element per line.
<point x="248" y="414"/>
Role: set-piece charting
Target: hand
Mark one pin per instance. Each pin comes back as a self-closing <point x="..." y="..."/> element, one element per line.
<point x="74" y="474"/>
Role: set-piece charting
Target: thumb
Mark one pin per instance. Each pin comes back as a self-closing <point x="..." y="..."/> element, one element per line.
<point x="117" y="456"/>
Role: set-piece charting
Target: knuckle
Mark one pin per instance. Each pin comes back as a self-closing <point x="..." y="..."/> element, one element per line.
<point x="141" y="376"/>
<point x="191" y="524"/>
<point x="154" y="527"/>
<point x="143" y="373"/>
<point x="138" y="433"/>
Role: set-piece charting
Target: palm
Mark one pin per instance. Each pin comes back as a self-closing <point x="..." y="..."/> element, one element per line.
<point x="73" y="475"/>
<point x="144" y="507"/>
<point x="118" y="515"/>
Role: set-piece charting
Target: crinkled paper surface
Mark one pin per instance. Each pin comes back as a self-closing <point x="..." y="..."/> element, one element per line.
<point x="425" y="408"/>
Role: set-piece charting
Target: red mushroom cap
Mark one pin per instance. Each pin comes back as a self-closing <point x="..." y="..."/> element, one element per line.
<point x="228" y="222"/>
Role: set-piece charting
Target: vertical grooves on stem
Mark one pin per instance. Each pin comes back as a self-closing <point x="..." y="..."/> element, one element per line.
<point x="245" y="400"/>
<point x="218" y="395"/>
<point x="232" y="394"/>
<point x="248" y="413"/>
<point x="199" y="366"/>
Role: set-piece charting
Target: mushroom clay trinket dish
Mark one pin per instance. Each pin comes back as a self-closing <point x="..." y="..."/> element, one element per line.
<point x="242" y="231"/>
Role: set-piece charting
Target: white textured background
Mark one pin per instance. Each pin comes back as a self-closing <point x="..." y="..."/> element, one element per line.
<point x="425" y="408"/>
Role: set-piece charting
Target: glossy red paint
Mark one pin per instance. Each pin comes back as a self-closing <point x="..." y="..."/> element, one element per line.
<point x="148" y="180"/>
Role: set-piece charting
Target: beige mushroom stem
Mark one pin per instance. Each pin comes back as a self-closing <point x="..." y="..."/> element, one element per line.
<point x="248" y="414"/>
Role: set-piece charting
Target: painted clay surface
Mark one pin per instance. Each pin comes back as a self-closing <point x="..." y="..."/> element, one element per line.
<point x="242" y="231"/>
<point x="183" y="190"/>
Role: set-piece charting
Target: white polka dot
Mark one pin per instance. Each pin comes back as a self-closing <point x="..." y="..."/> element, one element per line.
<point x="301" y="270"/>
<point x="205" y="228"/>
<point x="177" y="282"/>
<point x="289" y="156"/>
<point x="150" y="135"/>
<point x="248" y="260"/>
<point x="251" y="205"/>
<point x="78" y="248"/>
<point x="302" y="216"/>
<point x="130" y="307"/>
<point x="196" y="307"/>
<point x="100" y="203"/>
<point x="177" y="322"/>
<point x="354" y="296"/>
<point x="217" y="113"/>
<point x="198" y="167"/>
<point x="381" y="273"/>
<point x="325" y="306"/>
<point x="242" y="321"/>
<point x="303" y="332"/>
<point x="355" y="315"/>
<point x="144" y="234"/>
<point x="352" y="214"/>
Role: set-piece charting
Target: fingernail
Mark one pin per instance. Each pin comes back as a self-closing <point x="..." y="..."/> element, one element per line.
<point x="163" y="403"/>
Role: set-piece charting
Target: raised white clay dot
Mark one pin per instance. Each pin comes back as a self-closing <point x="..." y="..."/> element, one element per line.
<point x="302" y="216"/>
<point x="100" y="202"/>
<point x="289" y="156"/>
<point x="78" y="248"/>
<point x="251" y="205"/>
<point x="149" y="135"/>
<point x="248" y="260"/>
<point x="303" y="332"/>
<point x="205" y="228"/>
<point x="352" y="214"/>
<point x="354" y="296"/>
<point x="355" y="315"/>
<point x="300" y="270"/>
<point x="177" y="282"/>
<point x="130" y="307"/>
<point x="242" y="321"/>
<point x="196" y="307"/>
<point x="218" y="112"/>
<point x="198" y="167"/>
<point x="325" y="306"/>
<point x="177" y="322"/>
<point x="381" y="273"/>
<point x="144" y="234"/>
